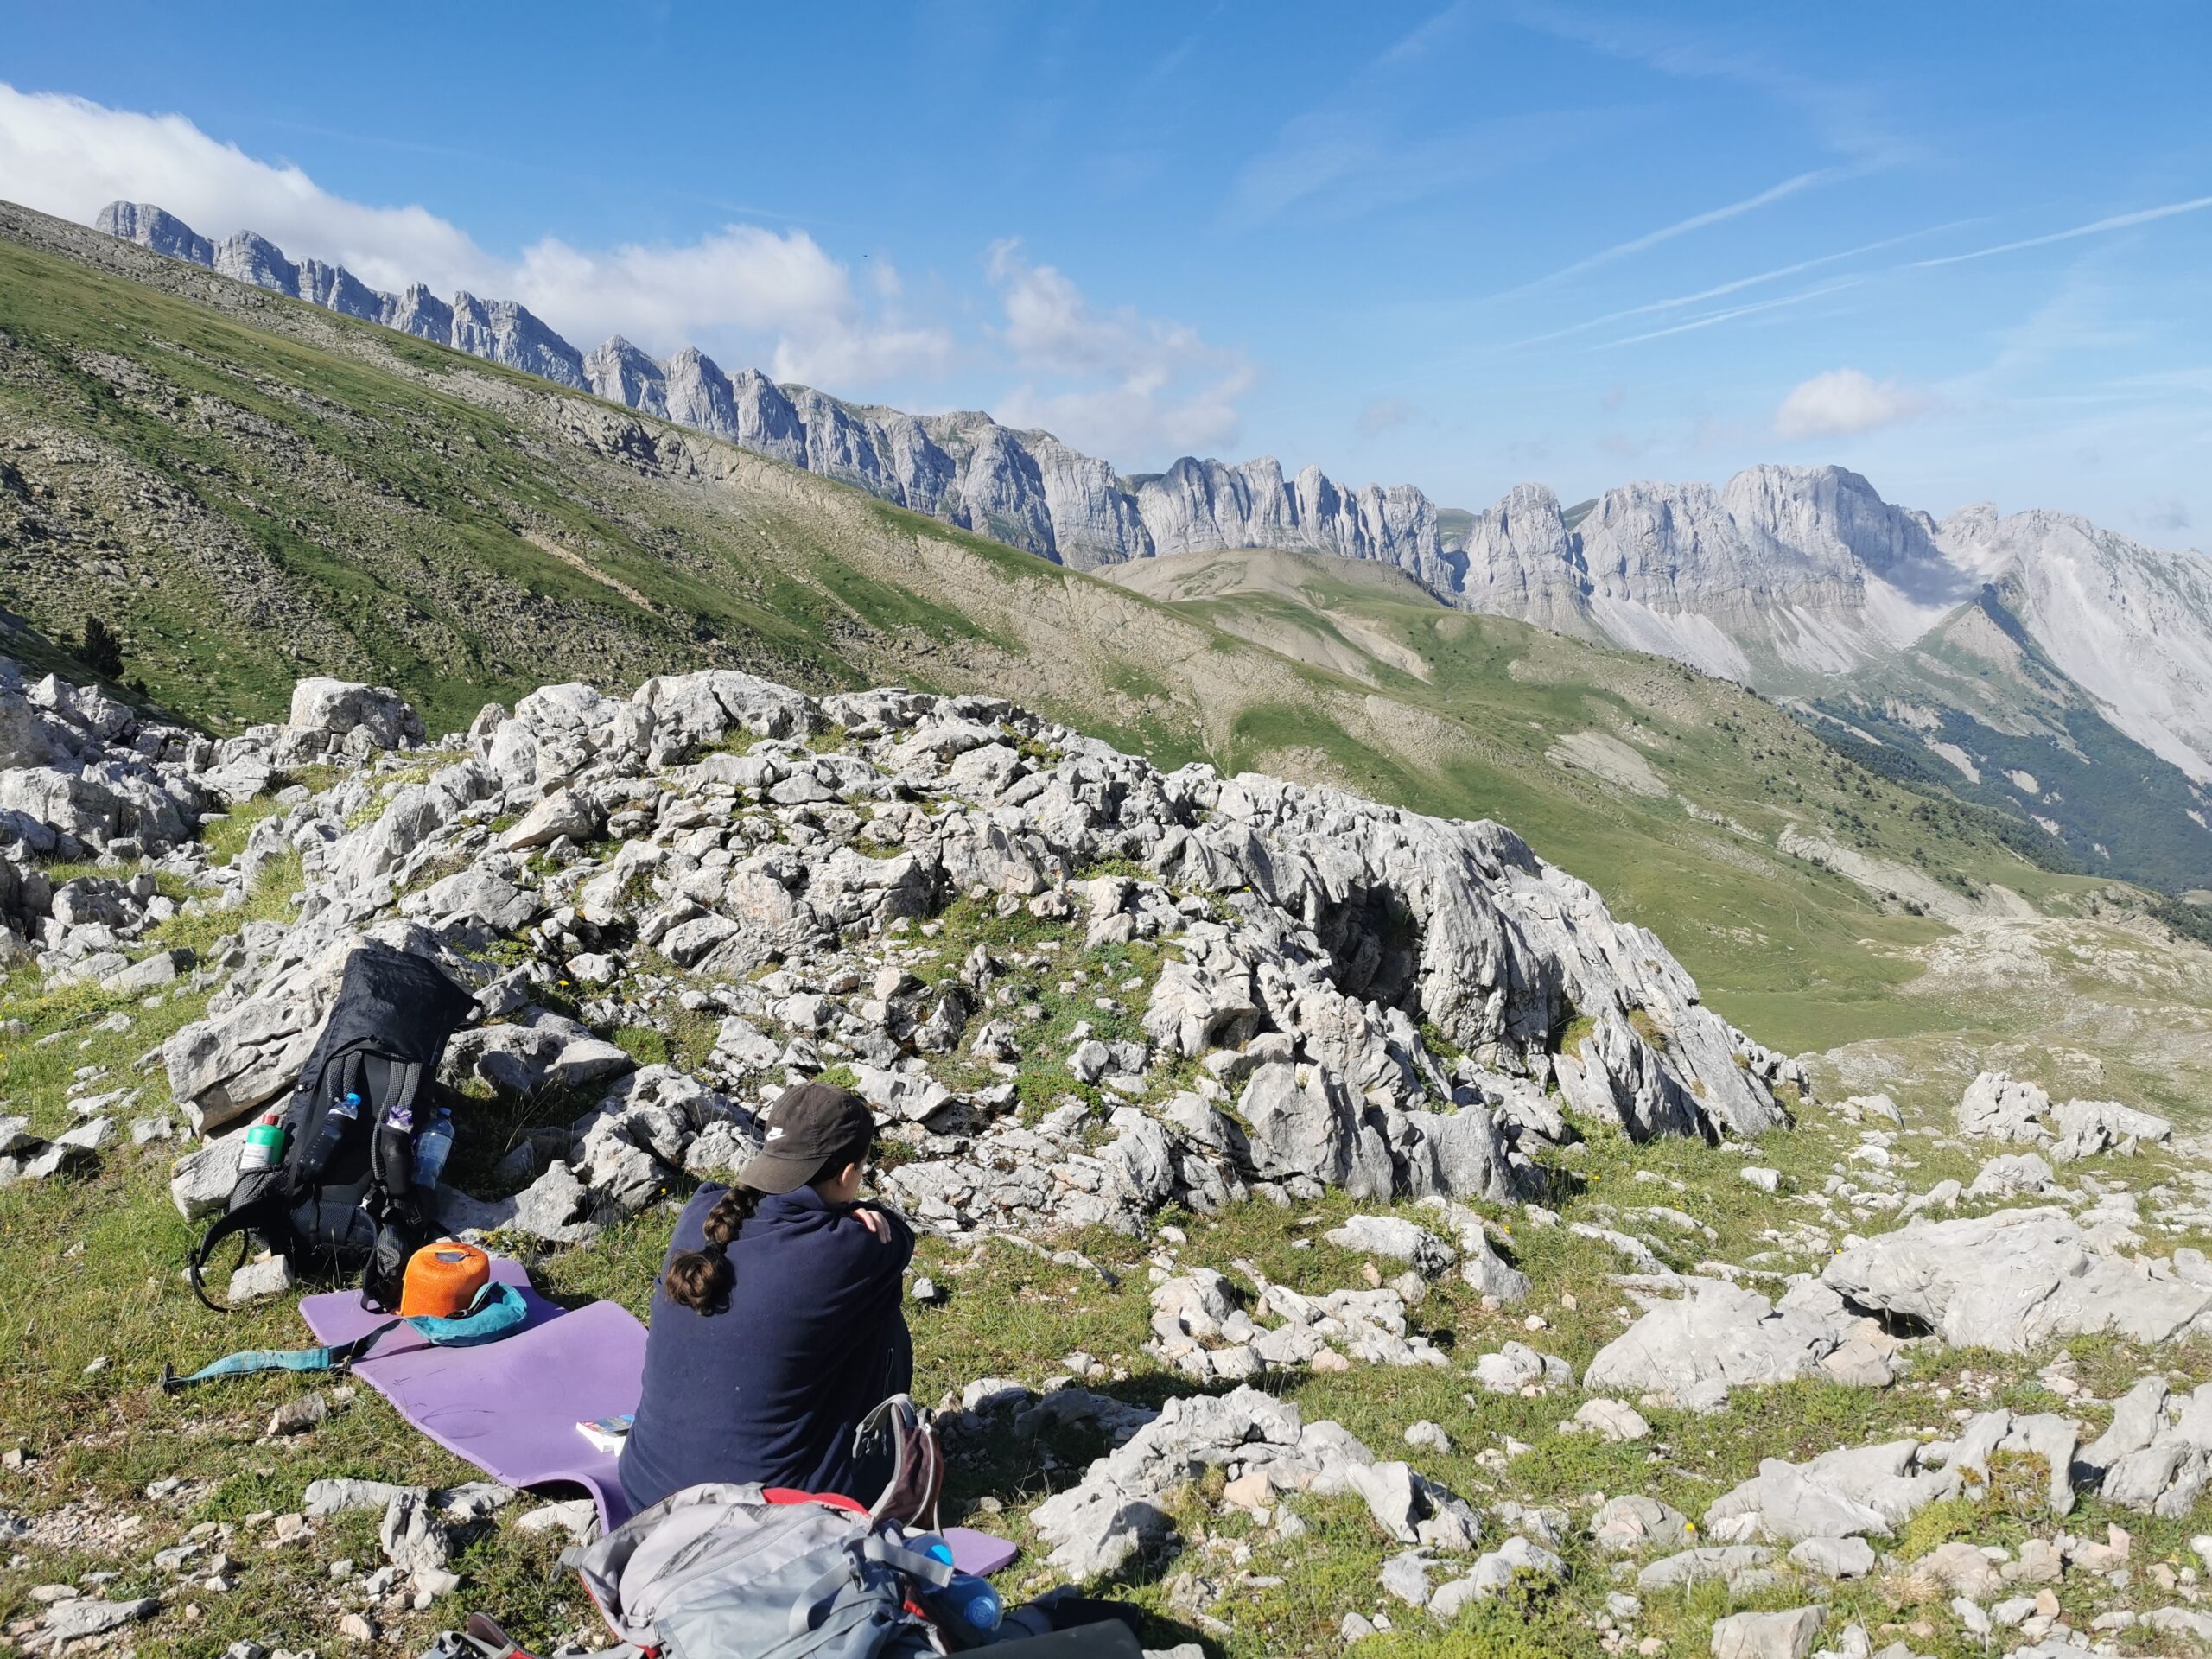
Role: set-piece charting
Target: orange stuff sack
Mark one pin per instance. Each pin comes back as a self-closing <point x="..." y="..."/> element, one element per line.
<point x="443" y="1280"/>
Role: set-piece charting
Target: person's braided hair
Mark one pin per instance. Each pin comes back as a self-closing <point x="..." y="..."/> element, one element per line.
<point x="701" y="1279"/>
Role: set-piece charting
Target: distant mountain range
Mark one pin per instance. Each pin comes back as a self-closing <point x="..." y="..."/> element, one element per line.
<point x="2034" y="662"/>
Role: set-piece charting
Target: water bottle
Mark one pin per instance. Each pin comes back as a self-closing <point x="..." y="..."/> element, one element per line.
<point x="265" y="1145"/>
<point x="968" y="1604"/>
<point x="337" y="1123"/>
<point x="431" y="1147"/>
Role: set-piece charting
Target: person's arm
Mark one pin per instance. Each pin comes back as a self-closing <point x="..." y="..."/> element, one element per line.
<point x="889" y="1227"/>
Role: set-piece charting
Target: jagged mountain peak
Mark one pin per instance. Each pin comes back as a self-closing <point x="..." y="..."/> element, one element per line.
<point x="153" y="227"/>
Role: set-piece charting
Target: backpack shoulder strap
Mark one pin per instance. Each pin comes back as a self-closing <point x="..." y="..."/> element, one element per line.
<point x="266" y="1212"/>
<point x="815" y="1601"/>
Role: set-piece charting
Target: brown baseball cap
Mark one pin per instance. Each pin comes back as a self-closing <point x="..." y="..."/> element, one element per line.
<point x="808" y="1125"/>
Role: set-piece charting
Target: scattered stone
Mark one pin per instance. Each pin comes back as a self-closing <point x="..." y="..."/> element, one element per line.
<point x="338" y="1496"/>
<point x="71" y="1621"/>
<point x="577" y="1516"/>
<point x="1767" y="1636"/>
<point x="257" y="1281"/>
<point x="1834" y="1558"/>
<point x="1626" y="1525"/>
<point x="1610" y="1419"/>
<point x="1493" y="1573"/>
<point x="1098" y="1523"/>
<point x="1429" y="1435"/>
<point x="1400" y="1240"/>
<point x="299" y="1416"/>
<point x="413" y="1537"/>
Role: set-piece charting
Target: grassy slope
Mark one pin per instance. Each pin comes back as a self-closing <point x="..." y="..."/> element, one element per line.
<point x="251" y="489"/>
<point x="1979" y="683"/>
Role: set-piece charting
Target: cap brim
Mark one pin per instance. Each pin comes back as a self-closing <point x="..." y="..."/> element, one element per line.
<point x="769" y="1173"/>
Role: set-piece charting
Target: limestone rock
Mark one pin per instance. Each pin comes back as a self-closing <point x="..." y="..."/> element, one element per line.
<point x="1833" y="1558"/>
<point x="72" y="1620"/>
<point x="1767" y="1636"/>
<point x="1096" y="1525"/>
<point x="2013" y="1281"/>
<point x="200" y="1181"/>
<point x="1630" y="1525"/>
<point x="1609" y="1419"/>
<point x="1399" y="1240"/>
<point x="338" y="708"/>
<point x="413" y="1537"/>
<point x="1493" y="1573"/>
<point x="1996" y="1107"/>
<point x="1720" y="1336"/>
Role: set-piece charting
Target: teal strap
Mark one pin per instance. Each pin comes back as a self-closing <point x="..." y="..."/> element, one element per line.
<point x="497" y="1309"/>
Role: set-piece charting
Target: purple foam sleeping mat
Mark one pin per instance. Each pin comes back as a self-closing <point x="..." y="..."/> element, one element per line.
<point x="511" y="1406"/>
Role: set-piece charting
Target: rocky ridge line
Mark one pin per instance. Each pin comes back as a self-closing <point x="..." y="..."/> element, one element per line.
<point x="1028" y="489"/>
<point x="1787" y="578"/>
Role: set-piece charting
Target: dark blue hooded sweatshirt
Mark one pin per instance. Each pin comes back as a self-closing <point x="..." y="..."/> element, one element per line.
<point x="770" y="1387"/>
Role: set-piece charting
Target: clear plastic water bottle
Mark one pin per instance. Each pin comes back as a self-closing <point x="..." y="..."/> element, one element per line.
<point x="337" y="1123"/>
<point x="967" y="1602"/>
<point x="431" y="1149"/>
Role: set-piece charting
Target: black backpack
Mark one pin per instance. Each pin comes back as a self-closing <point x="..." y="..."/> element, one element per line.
<point x="342" y="1197"/>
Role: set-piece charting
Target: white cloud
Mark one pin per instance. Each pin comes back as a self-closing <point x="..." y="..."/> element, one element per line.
<point x="740" y="284"/>
<point x="1150" y="389"/>
<point x="742" y="290"/>
<point x="1384" y="415"/>
<point x="1773" y="194"/>
<point x="70" y="157"/>
<point x="1845" y="401"/>
<point x="2116" y="222"/>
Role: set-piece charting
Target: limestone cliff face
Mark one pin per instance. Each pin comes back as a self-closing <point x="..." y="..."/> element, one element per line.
<point x="150" y="227"/>
<point x="2131" y="625"/>
<point x="1783" y="573"/>
<point x="1027" y="488"/>
<point x="1789" y="578"/>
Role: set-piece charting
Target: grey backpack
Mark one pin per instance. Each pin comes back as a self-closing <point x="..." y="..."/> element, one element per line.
<point x="719" y="1572"/>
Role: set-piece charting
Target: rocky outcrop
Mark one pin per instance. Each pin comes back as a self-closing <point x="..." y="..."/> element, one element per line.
<point x="1997" y="1107"/>
<point x="699" y="844"/>
<point x="1869" y="1491"/>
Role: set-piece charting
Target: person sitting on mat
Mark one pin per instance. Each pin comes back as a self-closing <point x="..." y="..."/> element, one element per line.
<point x="776" y="1322"/>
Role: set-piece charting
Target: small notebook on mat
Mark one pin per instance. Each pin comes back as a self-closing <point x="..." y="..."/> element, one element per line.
<point x="607" y="1433"/>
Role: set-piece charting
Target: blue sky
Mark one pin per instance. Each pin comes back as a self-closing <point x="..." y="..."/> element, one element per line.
<point x="1456" y="246"/>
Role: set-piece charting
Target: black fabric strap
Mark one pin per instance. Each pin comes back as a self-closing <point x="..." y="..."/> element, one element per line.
<point x="245" y="1218"/>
